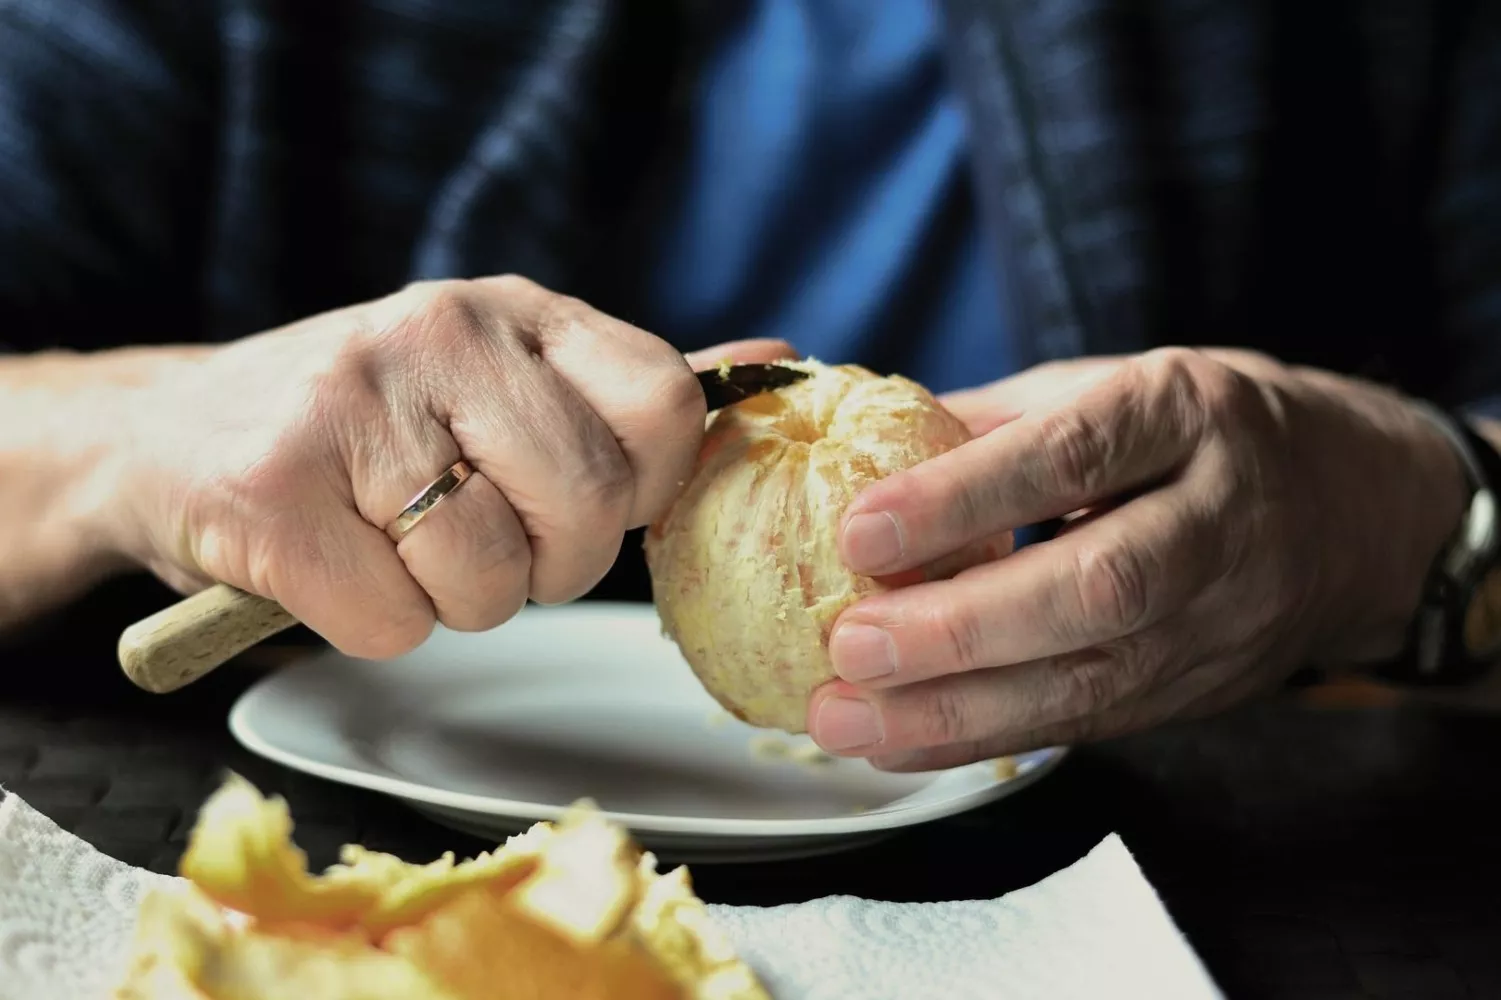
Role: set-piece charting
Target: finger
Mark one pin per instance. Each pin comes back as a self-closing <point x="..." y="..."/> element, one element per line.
<point x="658" y="417"/>
<point x="987" y="407"/>
<point x="1005" y="745"/>
<point x="640" y="386"/>
<point x="342" y="578"/>
<point x="561" y="470"/>
<point x="1105" y="578"/>
<point x="1129" y="429"/>
<point x="322" y="551"/>
<point x="959" y="754"/>
<point x="472" y="556"/>
<point x="1066" y="699"/>
<point x="1190" y="694"/>
<point x="524" y="427"/>
<point x="741" y="352"/>
<point x="952" y="565"/>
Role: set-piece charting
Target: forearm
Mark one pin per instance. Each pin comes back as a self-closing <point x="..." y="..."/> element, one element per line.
<point x="64" y="438"/>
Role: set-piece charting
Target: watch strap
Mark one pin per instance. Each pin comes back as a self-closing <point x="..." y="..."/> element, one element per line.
<point x="1436" y="653"/>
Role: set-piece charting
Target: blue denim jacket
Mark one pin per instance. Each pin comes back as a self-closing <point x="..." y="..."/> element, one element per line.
<point x="1321" y="181"/>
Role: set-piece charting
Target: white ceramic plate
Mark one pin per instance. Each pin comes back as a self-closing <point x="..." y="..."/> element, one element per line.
<point x="490" y="732"/>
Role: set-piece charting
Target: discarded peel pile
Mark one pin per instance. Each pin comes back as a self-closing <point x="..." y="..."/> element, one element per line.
<point x="563" y="911"/>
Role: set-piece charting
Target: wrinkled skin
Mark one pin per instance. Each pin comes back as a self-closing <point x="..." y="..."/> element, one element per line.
<point x="274" y="463"/>
<point x="1236" y="518"/>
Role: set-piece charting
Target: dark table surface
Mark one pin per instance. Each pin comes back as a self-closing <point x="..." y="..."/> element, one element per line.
<point x="1306" y="851"/>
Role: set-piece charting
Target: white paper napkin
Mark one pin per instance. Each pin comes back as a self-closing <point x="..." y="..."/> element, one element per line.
<point x="1094" y="930"/>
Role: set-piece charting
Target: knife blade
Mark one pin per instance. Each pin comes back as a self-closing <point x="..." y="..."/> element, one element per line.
<point x="730" y="384"/>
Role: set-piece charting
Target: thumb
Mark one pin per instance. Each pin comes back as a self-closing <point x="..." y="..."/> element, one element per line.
<point x="741" y="352"/>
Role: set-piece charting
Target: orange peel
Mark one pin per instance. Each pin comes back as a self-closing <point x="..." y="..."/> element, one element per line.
<point x="745" y="568"/>
<point x="572" y="910"/>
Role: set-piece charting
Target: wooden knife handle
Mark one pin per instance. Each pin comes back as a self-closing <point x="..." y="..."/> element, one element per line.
<point x="193" y="637"/>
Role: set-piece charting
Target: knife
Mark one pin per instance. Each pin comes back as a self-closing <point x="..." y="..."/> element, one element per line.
<point x="729" y="384"/>
<point x="184" y="642"/>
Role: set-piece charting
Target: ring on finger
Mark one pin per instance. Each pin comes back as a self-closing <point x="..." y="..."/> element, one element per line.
<point x="427" y="498"/>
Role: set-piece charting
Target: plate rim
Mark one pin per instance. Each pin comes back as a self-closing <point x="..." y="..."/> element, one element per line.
<point x="886" y="818"/>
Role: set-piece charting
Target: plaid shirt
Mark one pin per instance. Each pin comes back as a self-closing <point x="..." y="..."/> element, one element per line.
<point x="1318" y="180"/>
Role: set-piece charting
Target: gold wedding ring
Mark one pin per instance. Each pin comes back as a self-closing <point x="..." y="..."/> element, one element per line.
<point x="431" y="495"/>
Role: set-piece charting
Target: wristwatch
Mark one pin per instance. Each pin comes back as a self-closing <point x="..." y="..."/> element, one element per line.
<point x="1455" y="637"/>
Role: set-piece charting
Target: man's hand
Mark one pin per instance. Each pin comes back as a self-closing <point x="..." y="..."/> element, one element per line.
<point x="275" y="463"/>
<point x="1230" y="520"/>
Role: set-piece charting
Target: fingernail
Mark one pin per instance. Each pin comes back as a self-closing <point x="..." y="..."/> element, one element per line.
<point x="847" y="724"/>
<point x="862" y="652"/>
<point x="872" y="541"/>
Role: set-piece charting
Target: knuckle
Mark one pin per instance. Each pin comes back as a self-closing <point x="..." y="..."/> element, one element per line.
<point x="256" y="490"/>
<point x="360" y="366"/>
<point x="1074" y="453"/>
<point x="362" y="374"/>
<point x="1233" y="546"/>
<point x="1171" y="362"/>
<point x="665" y="408"/>
<point x="265" y="523"/>
<point x="411" y="295"/>
<point x="575" y="542"/>
<point x="943" y="716"/>
<point x="964" y="636"/>
<point x="505" y="557"/>
<point x="666" y="434"/>
<point x="1087" y="686"/>
<point x="602" y="484"/>
<point x="1145" y="659"/>
<point x="515" y="286"/>
<point x="677" y="400"/>
<point x="1113" y="591"/>
<point x="442" y="316"/>
<point x="1173" y="378"/>
<point x="1198" y="388"/>
<point x="967" y="506"/>
<point x="1220" y="394"/>
<point x="659" y="431"/>
<point x="503" y="566"/>
<point x="558" y="318"/>
<point x="1177" y="369"/>
<point x="430" y="328"/>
